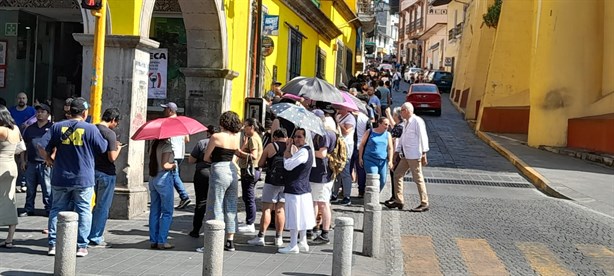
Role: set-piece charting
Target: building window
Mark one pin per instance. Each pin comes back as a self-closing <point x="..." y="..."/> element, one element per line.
<point x="340" y="69"/>
<point x="294" y="62"/>
<point x="349" y="61"/>
<point x="320" y="63"/>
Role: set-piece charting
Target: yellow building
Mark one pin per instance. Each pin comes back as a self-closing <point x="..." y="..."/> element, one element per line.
<point x="544" y="71"/>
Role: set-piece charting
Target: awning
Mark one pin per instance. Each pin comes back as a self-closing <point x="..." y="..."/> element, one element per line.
<point x="435" y="3"/>
<point x="432" y="31"/>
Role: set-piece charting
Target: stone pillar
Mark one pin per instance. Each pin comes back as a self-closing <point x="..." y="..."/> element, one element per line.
<point x="65" y="262"/>
<point x="125" y="87"/>
<point x="208" y="93"/>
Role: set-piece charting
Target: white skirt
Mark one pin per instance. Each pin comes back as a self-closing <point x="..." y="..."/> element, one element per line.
<point x="299" y="212"/>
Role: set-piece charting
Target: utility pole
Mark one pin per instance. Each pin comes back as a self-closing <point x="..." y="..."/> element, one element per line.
<point x="99" y="11"/>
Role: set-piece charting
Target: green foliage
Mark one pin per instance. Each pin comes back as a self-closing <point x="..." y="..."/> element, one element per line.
<point x="491" y="17"/>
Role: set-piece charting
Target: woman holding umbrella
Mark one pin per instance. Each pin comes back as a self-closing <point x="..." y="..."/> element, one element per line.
<point x="222" y="196"/>
<point x="161" y="165"/>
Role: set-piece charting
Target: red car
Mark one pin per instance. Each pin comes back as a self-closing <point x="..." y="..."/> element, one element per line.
<point x="424" y="96"/>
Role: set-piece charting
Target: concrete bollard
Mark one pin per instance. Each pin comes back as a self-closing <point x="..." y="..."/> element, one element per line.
<point x="372" y="180"/>
<point x="371" y="195"/>
<point x="213" y="257"/>
<point x="372" y="230"/>
<point x="342" y="247"/>
<point x="65" y="263"/>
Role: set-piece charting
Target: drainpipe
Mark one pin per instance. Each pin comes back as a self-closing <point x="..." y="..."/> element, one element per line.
<point x="257" y="49"/>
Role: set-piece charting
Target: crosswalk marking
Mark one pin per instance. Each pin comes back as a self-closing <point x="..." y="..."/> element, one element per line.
<point x="420" y="257"/>
<point x="599" y="254"/>
<point x="543" y="261"/>
<point x="480" y="258"/>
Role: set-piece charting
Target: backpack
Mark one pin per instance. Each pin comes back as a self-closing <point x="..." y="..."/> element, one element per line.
<point x="338" y="157"/>
<point x="276" y="168"/>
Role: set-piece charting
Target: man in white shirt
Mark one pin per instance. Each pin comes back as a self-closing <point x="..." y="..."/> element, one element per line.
<point x="412" y="147"/>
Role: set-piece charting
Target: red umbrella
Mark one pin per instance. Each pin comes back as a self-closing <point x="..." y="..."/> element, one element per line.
<point x="164" y="128"/>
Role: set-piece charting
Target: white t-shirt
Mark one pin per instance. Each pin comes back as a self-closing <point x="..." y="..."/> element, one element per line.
<point x="361" y="126"/>
<point x="348" y="119"/>
<point x="178" y="143"/>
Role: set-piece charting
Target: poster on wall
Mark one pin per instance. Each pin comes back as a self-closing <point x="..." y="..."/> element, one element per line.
<point x="271" y="25"/>
<point x="2" y="74"/>
<point x="158" y="67"/>
<point x="3" y="51"/>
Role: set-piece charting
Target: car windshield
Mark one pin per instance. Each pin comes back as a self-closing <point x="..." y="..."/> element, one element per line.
<point x="424" y="88"/>
<point x="443" y="76"/>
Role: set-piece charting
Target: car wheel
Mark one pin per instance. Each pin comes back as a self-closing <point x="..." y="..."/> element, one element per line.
<point x="437" y="112"/>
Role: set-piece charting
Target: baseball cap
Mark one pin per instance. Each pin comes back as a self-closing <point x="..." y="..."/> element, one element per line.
<point x="43" y="107"/>
<point x="277" y="83"/>
<point x="78" y="105"/>
<point x="319" y="113"/>
<point x="170" y="105"/>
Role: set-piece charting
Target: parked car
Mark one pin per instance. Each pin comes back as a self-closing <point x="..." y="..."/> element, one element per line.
<point x="424" y="96"/>
<point x="412" y="72"/>
<point x="385" y="67"/>
<point x="442" y="79"/>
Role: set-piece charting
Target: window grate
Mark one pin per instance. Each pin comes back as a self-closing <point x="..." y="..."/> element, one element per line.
<point x="473" y="182"/>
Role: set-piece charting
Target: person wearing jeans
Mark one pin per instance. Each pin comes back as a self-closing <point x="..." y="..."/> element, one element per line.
<point x="178" y="144"/>
<point x="249" y="156"/>
<point x="75" y="143"/>
<point x="105" y="176"/>
<point x="161" y="167"/>
<point x="347" y="125"/>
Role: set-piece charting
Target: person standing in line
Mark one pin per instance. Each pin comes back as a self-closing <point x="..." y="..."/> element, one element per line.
<point x="75" y="143"/>
<point x="396" y="133"/>
<point x="347" y="125"/>
<point x="321" y="178"/>
<point x="178" y="143"/>
<point x="249" y="156"/>
<point x="201" y="180"/>
<point x="105" y="176"/>
<point x="9" y="138"/>
<point x="396" y="80"/>
<point x="385" y="98"/>
<point x="376" y="151"/>
<point x="412" y="147"/>
<point x="21" y="113"/>
<point x="223" y="183"/>
<point x="273" y="191"/>
<point x="161" y="167"/>
<point x="37" y="172"/>
<point x="299" y="204"/>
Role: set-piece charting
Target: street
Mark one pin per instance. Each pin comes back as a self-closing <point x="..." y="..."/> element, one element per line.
<point x="489" y="220"/>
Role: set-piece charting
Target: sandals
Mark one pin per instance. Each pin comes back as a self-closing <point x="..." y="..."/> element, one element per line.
<point x="6" y="244"/>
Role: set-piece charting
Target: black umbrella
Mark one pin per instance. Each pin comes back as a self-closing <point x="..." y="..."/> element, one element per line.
<point x="314" y="89"/>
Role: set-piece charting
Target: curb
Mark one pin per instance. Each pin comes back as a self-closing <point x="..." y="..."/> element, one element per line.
<point x="538" y="180"/>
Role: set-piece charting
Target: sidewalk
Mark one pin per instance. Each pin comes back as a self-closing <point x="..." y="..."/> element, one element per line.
<point x="130" y="254"/>
<point x="587" y="183"/>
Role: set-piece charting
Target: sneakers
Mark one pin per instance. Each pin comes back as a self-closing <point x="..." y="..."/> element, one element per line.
<point x="26" y="214"/>
<point x="258" y="241"/>
<point x="51" y="251"/>
<point x="183" y="203"/>
<point x="82" y="252"/>
<point x="309" y="234"/>
<point x="247" y="228"/>
<point x="279" y="242"/>
<point x="99" y="245"/>
<point x="200" y="249"/>
<point x="164" y="246"/>
<point x="321" y="240"/>
<point x="333" y="198"/>
<point x="229" y="246"/>
<point x="303" y="247"/>
<point x="346" y="201"/>
<point x="21" y="189"/>
<point x="289" y="250"/>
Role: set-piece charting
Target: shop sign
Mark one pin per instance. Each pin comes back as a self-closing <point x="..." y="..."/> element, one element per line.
<point x="271" y="25"/>
<point x="438" y="11"/>
<point x="267" y="46"/>
<point x="10" y="29"/>
<point x="448" y="61"/>
<point x="158" y="68"/>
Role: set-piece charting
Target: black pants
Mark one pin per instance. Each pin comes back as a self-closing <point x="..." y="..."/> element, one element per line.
<point x="201" y="188"/>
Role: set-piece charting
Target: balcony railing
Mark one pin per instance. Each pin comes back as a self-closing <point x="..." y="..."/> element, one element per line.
<point x="458" y="30"/>
<point x="452" y="34"/>
<point x="366" y="6"/>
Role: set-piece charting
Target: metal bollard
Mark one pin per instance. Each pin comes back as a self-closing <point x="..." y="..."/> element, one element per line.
<point x="372" y="230"/>
<point x="372" y="181"/>
<point x="213" y="257"/>
<point x="371" y="195"/>
<point x="342" y="247"/>
<point x="65" y="263"/>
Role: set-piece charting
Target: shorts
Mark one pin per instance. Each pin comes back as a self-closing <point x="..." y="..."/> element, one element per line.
<point x="321" y="192"/>
<point x="273" y="194"/>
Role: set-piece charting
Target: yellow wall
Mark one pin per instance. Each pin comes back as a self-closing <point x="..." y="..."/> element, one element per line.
<point x="238" y="27"/>
<point x="125" y="16"/>
<point x="508" y="80"/>
<point x="568" y="67"/>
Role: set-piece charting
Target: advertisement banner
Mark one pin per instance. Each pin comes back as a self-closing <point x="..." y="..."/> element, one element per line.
<point x="158" y="68"/>
<point x="271" y="25"/>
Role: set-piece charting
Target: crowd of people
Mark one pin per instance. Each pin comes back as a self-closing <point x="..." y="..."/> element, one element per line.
<point x="303" y="172"/>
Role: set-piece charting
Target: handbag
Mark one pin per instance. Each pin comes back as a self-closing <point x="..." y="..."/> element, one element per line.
<point x="20" y="147"/>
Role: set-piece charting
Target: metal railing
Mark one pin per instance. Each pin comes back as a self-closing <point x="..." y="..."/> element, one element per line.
<point x="366" y="6"/>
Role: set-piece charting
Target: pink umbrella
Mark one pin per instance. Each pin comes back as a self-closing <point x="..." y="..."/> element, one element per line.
<point x="164" y="128"/>
<point x="347" y="104"/>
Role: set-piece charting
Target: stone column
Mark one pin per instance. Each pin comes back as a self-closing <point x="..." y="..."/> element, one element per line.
<point x="125" y="87"/>
<point x="208" y="92"/>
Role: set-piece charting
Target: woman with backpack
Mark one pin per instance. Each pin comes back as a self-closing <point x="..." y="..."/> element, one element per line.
<point x="376" y="150"/>
<point x="273" y="191"/>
